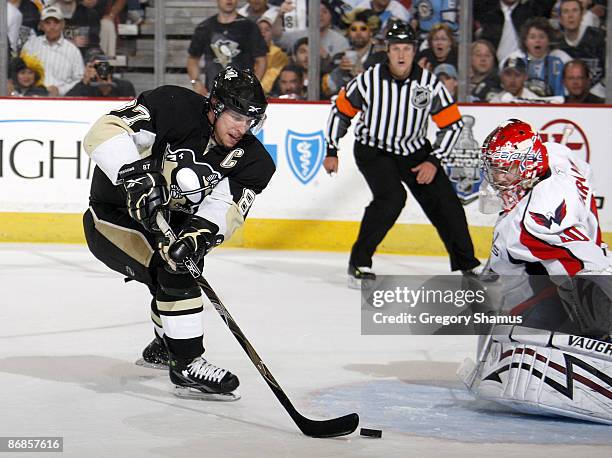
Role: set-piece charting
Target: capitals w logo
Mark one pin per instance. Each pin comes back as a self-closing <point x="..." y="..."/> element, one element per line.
<point x="305" y="153"/>
<point x="549" y="218"/>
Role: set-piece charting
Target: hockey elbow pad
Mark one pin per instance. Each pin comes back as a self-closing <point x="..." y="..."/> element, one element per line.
<point x="147" y="194"/>
<point x="195" y="239"/>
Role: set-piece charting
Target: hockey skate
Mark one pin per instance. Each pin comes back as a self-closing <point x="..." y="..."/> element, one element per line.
<point x="359" y="275"/>
<point x="155" y="355"/>
<point x="199" y="379"/>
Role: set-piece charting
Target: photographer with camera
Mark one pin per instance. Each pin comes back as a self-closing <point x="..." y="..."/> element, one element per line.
<point x="98" y="79"/>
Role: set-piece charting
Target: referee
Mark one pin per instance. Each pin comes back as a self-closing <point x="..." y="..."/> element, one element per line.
<point x="395" y="99"/>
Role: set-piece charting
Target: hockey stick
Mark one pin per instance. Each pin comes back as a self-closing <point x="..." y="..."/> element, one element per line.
<point x="335" y="427"/>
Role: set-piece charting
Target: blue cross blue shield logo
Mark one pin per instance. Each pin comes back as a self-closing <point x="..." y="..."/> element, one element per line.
<point x="305" y="153"/>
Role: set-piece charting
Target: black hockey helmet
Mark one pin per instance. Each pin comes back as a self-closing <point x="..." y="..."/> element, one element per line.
<point x="240" y="91"/>
<point x="400" y="32"/>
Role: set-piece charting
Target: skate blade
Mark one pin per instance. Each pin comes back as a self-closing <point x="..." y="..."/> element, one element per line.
<point x="142" y="363"/>
<point x="191" y="393"/>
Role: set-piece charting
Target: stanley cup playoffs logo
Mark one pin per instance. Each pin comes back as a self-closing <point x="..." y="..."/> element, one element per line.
<point x="463" y="164"/>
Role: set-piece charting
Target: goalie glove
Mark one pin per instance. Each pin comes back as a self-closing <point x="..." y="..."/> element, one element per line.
<point x="146" y="191"/>
<point x="195" y="239"/>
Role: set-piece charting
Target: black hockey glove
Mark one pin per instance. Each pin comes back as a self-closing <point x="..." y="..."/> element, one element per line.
<point x="195" y="239"/>
<point x="146" y="192"/>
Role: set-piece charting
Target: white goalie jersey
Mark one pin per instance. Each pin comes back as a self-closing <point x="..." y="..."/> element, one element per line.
<point x="536" y="370"/>
<point x="556" y="224"/>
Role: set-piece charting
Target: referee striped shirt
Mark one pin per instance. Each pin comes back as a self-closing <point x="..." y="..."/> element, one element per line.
<point x="395" y="113"/>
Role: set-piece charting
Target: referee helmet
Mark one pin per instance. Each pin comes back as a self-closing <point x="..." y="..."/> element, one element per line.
<point x="400" y="32"/>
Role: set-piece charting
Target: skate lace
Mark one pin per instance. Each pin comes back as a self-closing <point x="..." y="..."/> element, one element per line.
<point x="203" y="369"/>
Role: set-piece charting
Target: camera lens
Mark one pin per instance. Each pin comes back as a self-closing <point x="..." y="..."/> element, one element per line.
<point x="103" y="69"/>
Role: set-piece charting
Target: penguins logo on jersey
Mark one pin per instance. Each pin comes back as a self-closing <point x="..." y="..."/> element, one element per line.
<point x="225" y="50"/>
<point x="425" y="10"/>
<point x="189" y="181"/>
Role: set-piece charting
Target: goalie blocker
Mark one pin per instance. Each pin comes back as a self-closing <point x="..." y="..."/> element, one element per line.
<point x="542" y="372"/>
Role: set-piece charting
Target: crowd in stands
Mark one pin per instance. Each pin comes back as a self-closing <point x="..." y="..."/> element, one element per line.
<point x="538" y="51"/>
<point x="60" y="48"/>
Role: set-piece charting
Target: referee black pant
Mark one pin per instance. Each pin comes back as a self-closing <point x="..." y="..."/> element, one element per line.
<point x="385" y="173"/>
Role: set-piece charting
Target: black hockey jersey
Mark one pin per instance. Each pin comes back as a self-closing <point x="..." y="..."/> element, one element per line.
<point x="169" y="125"/>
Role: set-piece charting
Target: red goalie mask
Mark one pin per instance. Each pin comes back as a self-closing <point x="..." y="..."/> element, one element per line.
<point x="513" y="160"/>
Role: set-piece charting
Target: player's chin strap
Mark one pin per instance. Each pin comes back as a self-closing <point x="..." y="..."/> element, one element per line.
<point x="543" y="372"/>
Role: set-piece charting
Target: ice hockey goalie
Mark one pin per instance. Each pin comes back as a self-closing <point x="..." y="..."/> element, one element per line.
<point x="559" y="362"/>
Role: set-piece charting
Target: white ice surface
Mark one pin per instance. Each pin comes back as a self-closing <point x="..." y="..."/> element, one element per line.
<point x="70" y="331"/>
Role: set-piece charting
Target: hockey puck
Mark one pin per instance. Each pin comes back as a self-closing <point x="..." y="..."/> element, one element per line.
<point x="377" y="433"/>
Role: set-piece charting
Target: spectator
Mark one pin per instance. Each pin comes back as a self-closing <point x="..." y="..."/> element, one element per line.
<point x="276" y="57"/>
<point x="290" y="83"/>
<point x="27" y="76"/>
<point x="31" y="15"/>
<point x="14" y="19"/>
<point x="98" y="80"/>
<point x="513" y="77"/>
<point x="448" y="75"/>
<point x="283" y="23"/>
<point x="109" y="12"/>
<point x="61" y="59"/>
<point x="332" y="42"/>
<point x="82" y="25"/>
<point x="585" y="43"/>
<point x="484" y="80"/>
<point x="225" y="38"/>
<point x="442" y="48"/>
<point x="544" y="67"/>
<point x="578" y="83"/>
<point x="592" y="14"/>
<point x="359" y="57"/>
<point x="256" y="9"/>
<point x="386" y="9"/>
<point x="300" y="58"/>
<point x="500" y="22"/>
<point x="429" y="13"/>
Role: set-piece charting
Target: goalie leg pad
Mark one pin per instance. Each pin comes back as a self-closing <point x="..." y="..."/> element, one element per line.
<point x="524" y="373"/>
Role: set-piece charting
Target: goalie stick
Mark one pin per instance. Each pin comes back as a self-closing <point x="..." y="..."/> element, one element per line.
<point x="334" y="427"/>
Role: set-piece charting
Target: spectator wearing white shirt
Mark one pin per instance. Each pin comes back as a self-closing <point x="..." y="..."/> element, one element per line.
<point x="61" y="59"/>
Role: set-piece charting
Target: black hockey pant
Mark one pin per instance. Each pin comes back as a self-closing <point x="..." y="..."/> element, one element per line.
<point x="126" y="247"/>
<point x="384" y="174"/>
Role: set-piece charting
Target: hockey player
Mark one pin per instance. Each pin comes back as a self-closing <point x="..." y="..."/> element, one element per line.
<point x="549" y="225"/>
<point x="196" y="160"/>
